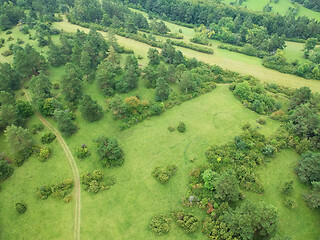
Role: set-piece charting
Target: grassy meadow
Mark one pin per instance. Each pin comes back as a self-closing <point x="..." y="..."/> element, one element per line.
<point x="125" y="210"/>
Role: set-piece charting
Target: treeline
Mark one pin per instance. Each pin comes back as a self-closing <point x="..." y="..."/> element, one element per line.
<point x="211" y="13"/>
<point x="311" y="4"/>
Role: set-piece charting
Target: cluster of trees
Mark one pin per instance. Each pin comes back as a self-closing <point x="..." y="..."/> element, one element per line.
<point x="211" y="12"/>
<point x="254" y="96"/>
<point x="10" y="15"/>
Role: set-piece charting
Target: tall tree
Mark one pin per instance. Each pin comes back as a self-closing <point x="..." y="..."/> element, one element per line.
<point x="90" y="109"/>
<point x="72" y="84"/>
<point x="65" y="123"/>
<point x="162" y="90"/>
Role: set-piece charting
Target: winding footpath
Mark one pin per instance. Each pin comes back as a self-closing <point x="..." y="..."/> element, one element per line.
<point x="74" y="168"/>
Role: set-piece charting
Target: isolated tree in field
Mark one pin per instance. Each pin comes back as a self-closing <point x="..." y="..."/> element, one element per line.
<point x="64" y="121"/>
<point x="162" y="90"/>
<point x="9" y="78"/>
<point x="19" y="139"/>
<point x="90" y="109"/>
<point x="72" y="84"/>
<point x="226" y="186"/>
<point x="109" y="152"/>
<point x="154" y="57"/>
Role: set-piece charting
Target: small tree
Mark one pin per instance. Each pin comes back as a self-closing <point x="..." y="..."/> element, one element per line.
<point x="109" y="152"/>
<point x="162" y="90"/>
<point x="287" y="187"/>
<point x="181" y="127"/>
<point x="90" y="109"/>
<point x="20" y="207"/>
<point x="64" y="121"/>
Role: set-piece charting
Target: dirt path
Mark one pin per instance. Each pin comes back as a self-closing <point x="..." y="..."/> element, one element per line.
<point x="73" y="166"/>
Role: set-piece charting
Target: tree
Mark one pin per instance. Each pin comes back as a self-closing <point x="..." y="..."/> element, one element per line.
<point x="41" y="88"/>
<point x="85" y="63"/>
<point x="72" y="84"/>
<point x="19" y="140"/>
<point x="109" y="152"/>
<point x="162" y="90"/>
<point x="188" y="82"/>
<point x="226" y="186"/>
<point x="250" y="219"/>
<point x="308" y="168"/>
<point x="28" y="62"/>
<point x="300" y="96"/>
<point x="310" y="43"/>
<point x="154" y="57"/>
<point x="64" y="121"/>
<point x="5" y="169"/>
<point x="90" y="109"/>
<point x="168" y="53"/>
<point x="9" y="78"/>
<point x="313" y="198"/>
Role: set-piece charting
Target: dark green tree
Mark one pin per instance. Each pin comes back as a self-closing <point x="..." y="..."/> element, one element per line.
<point x="72" y="84"/>
<point x="154" y="57"/>
<point x="162" y="90"/>
<point x="90" y="109"/>
<point x="226" y="186"/>
<point x="308" y="168"/>
<point x="65" y="123"/>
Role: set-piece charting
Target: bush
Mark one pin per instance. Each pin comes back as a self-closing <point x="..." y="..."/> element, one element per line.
<point x="171" y="128"/>
<point x="181" y="127"/>
<point x="36" y="128"/>
<point x="20" y="207"/>
<point x="288" y="202"/>
<point x="82" y="152"/>
<point x="7" y="53"/>
<point x="261" y="121"/>
<point x="156" y="108"/>
<point x="160" y="224"/>
<point x="164" y="174"/>
<point x="48" y="138"/>
<point x="56" y="86"/>
<point x="187" y="221"/>
<point x="93" y="182"/>
<point x="287" y="187"/>
<point x="60" y="190"/>
<point x="5" y="169"/>
<point x="44" y="153"/>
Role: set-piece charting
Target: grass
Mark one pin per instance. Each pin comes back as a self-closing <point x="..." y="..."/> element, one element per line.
<point x="128" y="206"/>
<point x="300" y="222"/>
<point x="44" y="219"/>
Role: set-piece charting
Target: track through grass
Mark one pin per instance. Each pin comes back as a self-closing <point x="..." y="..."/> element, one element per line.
<point x="73" y="165"/>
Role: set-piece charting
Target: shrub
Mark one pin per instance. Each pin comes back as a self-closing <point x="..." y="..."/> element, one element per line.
<point x="60" y="190"/>
<point x="48" y="138"/>
<point x="156" y="108"/>
<point x="56" y="86"/>
<point x="44" y="153"/>
<point x="20" y="207"/>
<point x="82" y="152"/>
<point x="171" y="128"/>
<point x="288" y="202"/>
<point x="187" y="221"/>
<point x="160" y="224"/>
<point x="7" y="53"/>
<point x="261" y="121"/>
<point x="164" y="174"/>
<point x="36" y="128"/>
<point x="5" y="169"/>
<point x="287" y="187"/>
<point x="93" y="182"/>
<point x="181" y="127"/>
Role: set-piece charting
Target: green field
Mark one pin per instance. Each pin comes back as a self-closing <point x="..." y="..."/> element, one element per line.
<point x="128" y="206"/>
<point x="281" y="7"/>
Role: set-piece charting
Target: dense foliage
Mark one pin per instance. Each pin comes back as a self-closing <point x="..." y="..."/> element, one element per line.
<point x="94" y="182"/>
<point x="160" y="224"/>
<point x="59" y="190"/>
<point x="109" y="152"/>
<point x="163" y="174"/>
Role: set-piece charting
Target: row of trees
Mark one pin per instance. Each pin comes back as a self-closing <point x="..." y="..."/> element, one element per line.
<point x="208" y="13"/>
